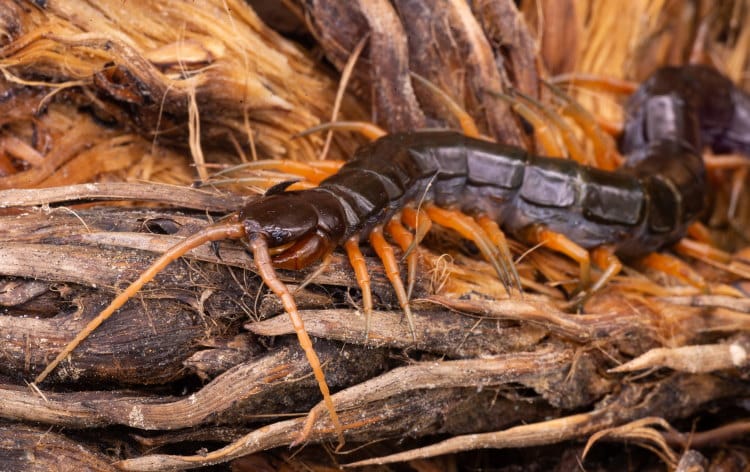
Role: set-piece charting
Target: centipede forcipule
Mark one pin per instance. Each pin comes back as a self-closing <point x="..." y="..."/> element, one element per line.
<point x="474" y="186"/>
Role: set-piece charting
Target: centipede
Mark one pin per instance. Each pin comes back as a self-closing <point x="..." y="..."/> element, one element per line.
<point x="483" y="190"/>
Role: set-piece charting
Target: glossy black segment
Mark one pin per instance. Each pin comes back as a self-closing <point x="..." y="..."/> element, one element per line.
<point x="609" y="197"/>
<point x="496" y="165"/>
<point x="550" y="182"/>
<point x="365" y="195"/>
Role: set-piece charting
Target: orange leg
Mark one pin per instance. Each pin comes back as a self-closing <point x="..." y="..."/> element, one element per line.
<point x="470" y="229"/>
<point x="605" y="151"/>
<point x="701" y="250"/>
<point x="604" y="257"/>
<point x="570" y="141"/>
<point x="731" y="161"/>
<point x="467" y="123"/>
<point x="498" y="238"/>
<point x="700" y="233"/>
<point x="670" y="265"/>
<point x="544" y="134"/>
<point x="405" y="240"/>
<point x="357" y="260"/>
<point x="560" y="243"/>
<point x="386" y="255"/>
<point x="259" y="248"/>
<point x="606" y="84"/>
<point x="715" y="257"/>
<point x="228" y="230"/>
<point x="366" y="129"/>
<point x="418" y="221"/>
<point x="312" y="173"/>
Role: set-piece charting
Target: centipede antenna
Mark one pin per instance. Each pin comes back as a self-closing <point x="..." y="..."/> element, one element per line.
<point x="258" y="246"/>
<point x="357" y="260"/>
<point x="346" y="74"/>
<point x="386" y="255"/>
<point x="229" y="230"/>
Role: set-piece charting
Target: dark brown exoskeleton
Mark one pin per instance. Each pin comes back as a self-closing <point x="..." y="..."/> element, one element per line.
<point x="443" y="177"/>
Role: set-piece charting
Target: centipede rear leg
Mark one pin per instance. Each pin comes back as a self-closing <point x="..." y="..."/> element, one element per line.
<point x="470" y="229"/>
<point x="605" y="151"/>
<point x="603" y="257"/>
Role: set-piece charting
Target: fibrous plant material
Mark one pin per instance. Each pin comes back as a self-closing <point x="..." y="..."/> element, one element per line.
<point x="209" y="77"/>
<point x="199" y="368"/>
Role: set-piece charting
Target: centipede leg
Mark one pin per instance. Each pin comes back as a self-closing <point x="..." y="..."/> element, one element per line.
<point x="257" y="244"/>
<point x="357" y="260"/>
<point x="678" y="268"/>
<point x="404" y="239"/>
<point x="386" y="255"/>
<point x="419" y="222"/>
<point x="675" y="267"/>
<point x="470" y="229"/>
<point x="701" y="250"/>
<point x="713" y="256"/>
<point x="560" y="243"/>
<point x="564" y="130"/>
<point x="544" y="134"/>
<point x="598" y="82"/>
<point x="498" y="238"/>
<point x="604" y="257"/>
<point x="366" y="129"/>
<point x="699" y="232"/>
<point x="605" y="152"/>
<point x="465" y="121"/>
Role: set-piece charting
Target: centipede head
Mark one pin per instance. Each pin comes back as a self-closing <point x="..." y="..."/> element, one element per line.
<point x="298" y="230"/>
